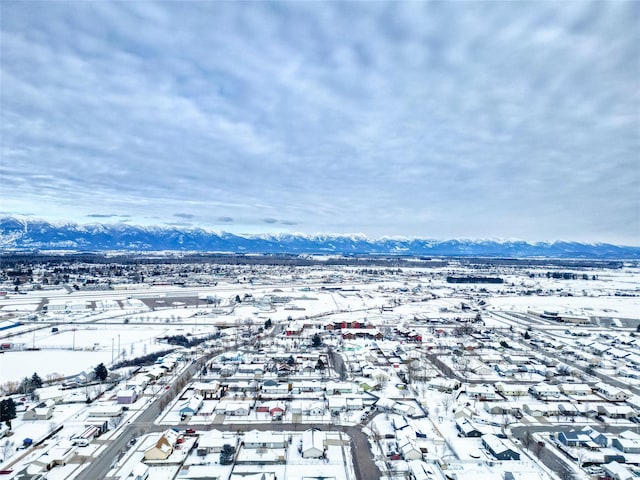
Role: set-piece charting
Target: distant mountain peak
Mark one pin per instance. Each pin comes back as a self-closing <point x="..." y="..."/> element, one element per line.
<point x="20" y="234"/>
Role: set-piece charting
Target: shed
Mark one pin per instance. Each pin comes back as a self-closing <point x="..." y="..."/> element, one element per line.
<point x="127" y="397"/>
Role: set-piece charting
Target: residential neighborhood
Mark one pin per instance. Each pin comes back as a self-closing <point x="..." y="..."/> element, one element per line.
<point x="307" y="372"/>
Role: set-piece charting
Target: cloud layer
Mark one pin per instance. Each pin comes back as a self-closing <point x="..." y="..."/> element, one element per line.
<point x="419" y="118"/>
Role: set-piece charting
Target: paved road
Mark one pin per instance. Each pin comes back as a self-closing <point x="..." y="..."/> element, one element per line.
<point x="99" y="467"/>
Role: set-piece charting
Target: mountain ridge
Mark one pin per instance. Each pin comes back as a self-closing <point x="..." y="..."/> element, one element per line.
<point x="38" y="235"/>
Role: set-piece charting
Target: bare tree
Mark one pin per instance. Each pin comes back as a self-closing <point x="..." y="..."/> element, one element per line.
<point x="7" y="448"/>
<point x="53" y="377"/>
<point x="446" y="401"/>
<point x="10" y="387"/>
<point x="115" y="421"/>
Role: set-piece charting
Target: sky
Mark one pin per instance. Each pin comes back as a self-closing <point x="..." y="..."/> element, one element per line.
<point x="422" y="119"/>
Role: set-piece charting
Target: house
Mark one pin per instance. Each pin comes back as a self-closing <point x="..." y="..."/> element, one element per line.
<point x="191" y="406"/>
<point x="616" y="411"/>
<point x="41" y="411"/>
<point x="163" y="448"/>
<point x="272" y="388"/>
<point x="100" y="411"/>
<point x="86" y="436"/>
<point x="276" y="409"/>
<point x="314" y="409"/>
<point x="404" y="409"/>
<point x="525" y="475"/>
<point x="544" y="391"/>
<point x="236" y="409"/>
<point x="409" y="450"/>
<point x="611" y="393"/>
<point x="441" y="384"/>
<point x="499" y="408"/>
<point x="577" y="438"/>
<point x="312" y="443"/>
<point x="212" y="441"/>
<point x="500" y="448"/>
<point x="265" y="439"/>
<point x="541" y="409"/>
<point x="575" y="389"/>
<point x="308" y="386"/>
<point x="140" y="472"/>
<point x="57" y="455"/>
<point x="154" y="373"/>
<point x="339" y="388"/>
<point x="467" y="428"/>
<point x="573" y="409"/>
<point x="140" y="381"/>
<point x="49" y="393"/>
<point x="617" y="471"/>
<point x="306" y="407"/>
<point x="512" y="390"/>
<point x="384" y="404"/>
<point x="482" y="392"/>
<point x="61" y="454"/>
<point x="337" y="404"/>
<point x="207" y="390"/>
<point x="467" y="412"/>
<point x="627" y="442"/>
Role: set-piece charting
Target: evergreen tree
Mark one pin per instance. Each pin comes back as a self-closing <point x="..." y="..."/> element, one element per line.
<point x="25" y="386"/>
<point x="267" y="324"/>
<point x="7" y="411"/>
<point x="36" y="381"/>
<point x="101" y="372"/>
<point x="316" y="341"/>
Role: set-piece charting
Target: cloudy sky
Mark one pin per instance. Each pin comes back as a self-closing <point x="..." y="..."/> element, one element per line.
<point x="439" y="120"/>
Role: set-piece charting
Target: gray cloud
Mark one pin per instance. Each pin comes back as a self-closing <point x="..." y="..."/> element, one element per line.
<point x="185" y="216"/>
<point x="414" y="118"/>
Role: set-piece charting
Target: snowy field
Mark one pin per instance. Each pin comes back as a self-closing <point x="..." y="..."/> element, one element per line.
<point x="93" y="344"/>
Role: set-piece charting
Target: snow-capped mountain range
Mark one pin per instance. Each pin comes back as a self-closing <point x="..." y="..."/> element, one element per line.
<point x="36" y="235"/>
